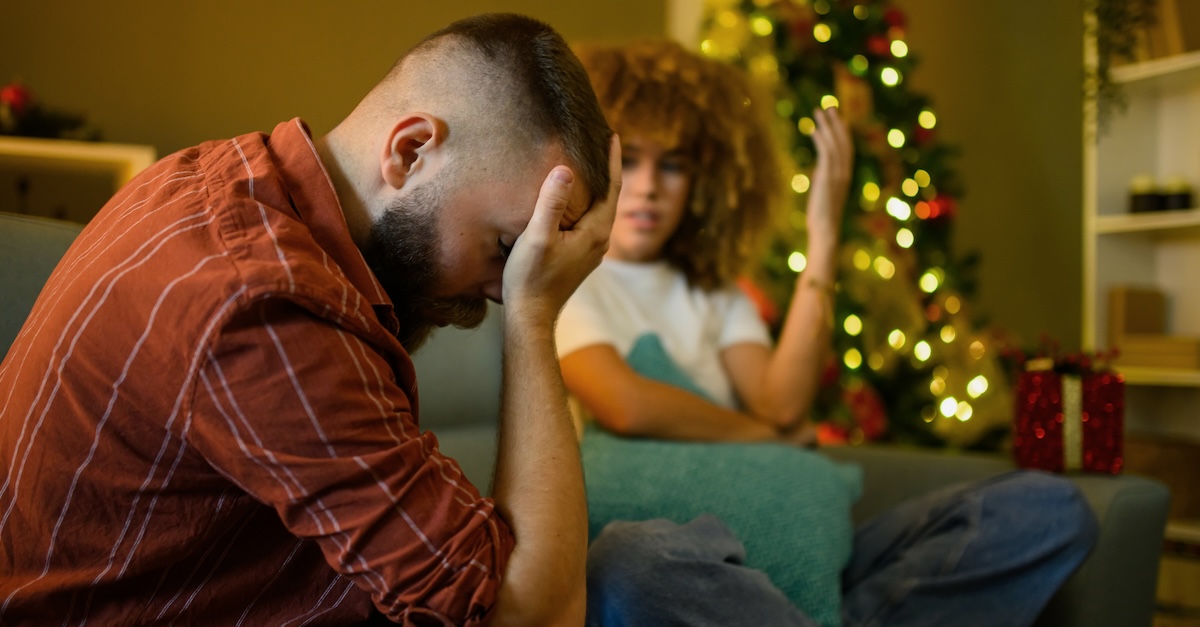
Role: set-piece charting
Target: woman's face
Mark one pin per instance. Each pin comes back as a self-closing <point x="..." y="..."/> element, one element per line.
<point x="655" y="181"/>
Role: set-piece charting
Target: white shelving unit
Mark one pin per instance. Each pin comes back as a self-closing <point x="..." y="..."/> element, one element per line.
<point x="1158" y="134"/>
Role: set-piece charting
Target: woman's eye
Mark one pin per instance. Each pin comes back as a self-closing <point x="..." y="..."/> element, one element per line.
<point x="672" y="165"/>
<point x="505" y="249"/>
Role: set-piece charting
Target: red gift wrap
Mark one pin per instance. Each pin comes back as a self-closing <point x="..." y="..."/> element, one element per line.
<point x="1070" y="422"/>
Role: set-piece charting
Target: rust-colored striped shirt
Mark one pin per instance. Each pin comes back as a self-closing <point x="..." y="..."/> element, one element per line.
<point x="208" y="420"/>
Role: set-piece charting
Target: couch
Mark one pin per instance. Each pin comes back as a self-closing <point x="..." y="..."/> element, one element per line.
<point x="459" y="389"/>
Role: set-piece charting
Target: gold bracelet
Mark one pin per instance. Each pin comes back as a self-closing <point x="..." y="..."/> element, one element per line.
<point x="824" y="287"/>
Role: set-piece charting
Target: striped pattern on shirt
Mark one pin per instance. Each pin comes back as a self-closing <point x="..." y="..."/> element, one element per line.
<point x="208" y="419"/>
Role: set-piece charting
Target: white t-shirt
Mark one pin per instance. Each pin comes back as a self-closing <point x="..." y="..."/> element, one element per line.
<point x="624" y="304"/>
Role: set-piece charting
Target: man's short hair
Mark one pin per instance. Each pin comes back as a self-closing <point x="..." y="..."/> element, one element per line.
<point x="548" y="95"/>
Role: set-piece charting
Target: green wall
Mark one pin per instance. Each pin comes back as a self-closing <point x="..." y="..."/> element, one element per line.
<point x="172" y="74"/>
<point x="1005" y="79"/>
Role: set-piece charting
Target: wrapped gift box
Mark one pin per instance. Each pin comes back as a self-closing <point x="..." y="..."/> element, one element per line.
<point x="1070" y="421"/>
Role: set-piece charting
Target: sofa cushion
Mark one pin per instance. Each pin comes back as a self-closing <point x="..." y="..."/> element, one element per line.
<point x="790" y="507"/>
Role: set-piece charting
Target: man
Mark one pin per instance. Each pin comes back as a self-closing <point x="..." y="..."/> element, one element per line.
<point x="210" y="416"/>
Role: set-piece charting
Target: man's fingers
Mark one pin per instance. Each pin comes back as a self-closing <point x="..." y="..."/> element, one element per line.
<point x="552" y="202"/>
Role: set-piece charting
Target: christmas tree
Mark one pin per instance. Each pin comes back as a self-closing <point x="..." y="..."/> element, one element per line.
<point x="912" y="363"/>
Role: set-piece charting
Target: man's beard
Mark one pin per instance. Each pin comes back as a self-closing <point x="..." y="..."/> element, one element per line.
<point x="402" y="252"/>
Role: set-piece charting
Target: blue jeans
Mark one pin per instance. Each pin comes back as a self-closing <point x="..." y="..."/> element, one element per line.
<point x="981" y="554"/>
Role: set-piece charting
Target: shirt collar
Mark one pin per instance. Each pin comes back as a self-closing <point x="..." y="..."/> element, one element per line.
<point x="316" y="202"/>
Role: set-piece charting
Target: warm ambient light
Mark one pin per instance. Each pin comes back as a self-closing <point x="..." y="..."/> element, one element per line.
<point x="870" y="191"/>
<point x="853" y="359"/>
<point x="889" y="76"/>
<point x="828" y="101"/>
<point x="800" y="183"/>
<point x="853" y="325"/>
<point x="797" y="261"/>
<point x="899" y="49"/>
<point x="904" y="238"/>
<point x="977" y="386"/>
<point x="822" y="33"/>
<point x="922" y="351"/>
<point x="898" y="208"/>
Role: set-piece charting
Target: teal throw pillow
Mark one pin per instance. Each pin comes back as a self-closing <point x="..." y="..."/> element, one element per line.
<point x="789" y="506"/>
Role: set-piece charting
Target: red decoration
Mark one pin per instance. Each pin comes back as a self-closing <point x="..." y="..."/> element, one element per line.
<point x="940" y="207"/>
<point x="16" y="97"/>
<point x="1068" y="421"/>
<point x="922" y="135"/>
<point x="767" y="310"/>
<point x="879" y="46"/>
<point x="894" y="17"/>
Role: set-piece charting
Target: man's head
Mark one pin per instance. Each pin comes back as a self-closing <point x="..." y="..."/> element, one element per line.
<point x="438" y="168"/>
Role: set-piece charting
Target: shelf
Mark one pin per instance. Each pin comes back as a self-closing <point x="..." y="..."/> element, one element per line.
<point x="1148" y="375"/>
<point x="1186" y="531"/>
<point x="1150" y="221"/>
<point x="122" y="161"/>
<point x="1173" y="68"/>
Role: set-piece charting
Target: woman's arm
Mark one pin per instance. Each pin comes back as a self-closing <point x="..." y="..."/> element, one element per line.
<point x="627" y="403"/>
<point x="780" y="386"/>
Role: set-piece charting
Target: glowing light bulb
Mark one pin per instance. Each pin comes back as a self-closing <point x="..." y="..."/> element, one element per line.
<point x="910" y="187"/>
<point x="853" y="359"/>
<point x="762" y="27"/>
<point x="927" y="119"/>
<point x="977" y="386"/>
<point x="859" y="64"/>
<point x="828" y="100"/>
<point x="896" y="138"/>
<point x="797" y="261"/>
<point x="976" y="349"/>
<point x="806" y="126"/>
<point x="890" y="76"/>
<point x="898" y="208"/>
<point x="870" y="191"/>
<point x="861" y="11"/>
<point x="875" y="361"/>
<point x="948" y="334"/>
<point x="707" y="47"/>
<point x="952" y="305"/>
<point x="922" y="350"/>
<point x="899" y="49"/>
<point x="921" y="177"/>
<point x="949" y="405"/>
<point x="963" y="412"/>
<point x="929" y="282"/>
<point x="896" y="339"/>
<point x="853" y="325"/>
<point x="862" y="259"/>
<point x="822" y="33"/>
<point x="904" y="238"/>
<point x="800" y="183"/>
<point x="937" y="386"/>
<point x="885" y="267"/>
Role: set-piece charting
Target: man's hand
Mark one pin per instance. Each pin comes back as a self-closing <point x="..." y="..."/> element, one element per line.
<point x="831" y="178"/>
<point x="547" y="263"/>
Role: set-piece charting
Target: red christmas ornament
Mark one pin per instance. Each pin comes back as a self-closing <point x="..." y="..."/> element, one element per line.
<point x="894" y="17"/>
<point x="16" y="97"/>
<point x="879" y="46"/>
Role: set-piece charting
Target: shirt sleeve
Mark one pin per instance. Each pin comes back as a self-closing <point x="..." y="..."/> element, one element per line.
<point x="584" y="320"/>
<point x="742" y="322"/>
<point x="307" y="418"/>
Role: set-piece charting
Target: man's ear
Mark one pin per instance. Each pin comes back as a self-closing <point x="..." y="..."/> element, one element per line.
<point x="406" y="150"/>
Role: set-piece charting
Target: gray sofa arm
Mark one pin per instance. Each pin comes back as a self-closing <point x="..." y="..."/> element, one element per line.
<point x="1114" y="587"/>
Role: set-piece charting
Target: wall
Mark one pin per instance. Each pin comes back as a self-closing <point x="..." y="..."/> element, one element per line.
<point x="172" y="74"/>
<point x="1005" y="79"/>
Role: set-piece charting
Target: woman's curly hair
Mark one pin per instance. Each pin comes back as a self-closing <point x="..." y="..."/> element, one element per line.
<point x="707" y="110"/>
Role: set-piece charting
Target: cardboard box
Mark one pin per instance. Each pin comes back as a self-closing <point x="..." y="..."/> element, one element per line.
<point x="1135" y="310"/>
